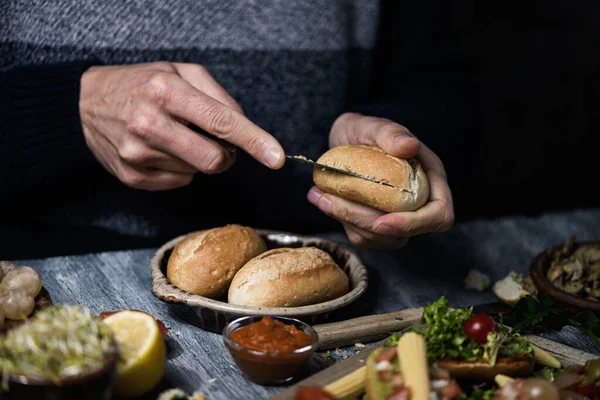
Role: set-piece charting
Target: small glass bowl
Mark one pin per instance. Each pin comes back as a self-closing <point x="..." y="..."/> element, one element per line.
<point x="269" y="368"/>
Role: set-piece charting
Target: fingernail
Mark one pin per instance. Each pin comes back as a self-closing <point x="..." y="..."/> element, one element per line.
<point x="273" y="157"/>
<point x="402" y="136"/>
<point x="325" y="204"/>
<point x="384" y="229"/>
<point x="314" y="195"/>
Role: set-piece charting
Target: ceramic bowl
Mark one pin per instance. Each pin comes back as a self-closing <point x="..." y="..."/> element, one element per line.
<point x="539" y="269"/>
<point x="269" y="368"/>
<point x="214" y="315"/>
<point x="92" y="386"/>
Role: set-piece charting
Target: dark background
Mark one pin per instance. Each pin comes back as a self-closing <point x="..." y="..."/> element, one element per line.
<point x="506" y="93"/>
<point x="517" y="85"/>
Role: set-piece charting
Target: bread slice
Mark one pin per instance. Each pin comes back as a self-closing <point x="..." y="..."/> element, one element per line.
<point x="509" y="290"/>
<point x="481" y="370"/>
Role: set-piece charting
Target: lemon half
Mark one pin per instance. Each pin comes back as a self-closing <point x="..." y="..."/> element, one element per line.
<point x="143" y="353"/>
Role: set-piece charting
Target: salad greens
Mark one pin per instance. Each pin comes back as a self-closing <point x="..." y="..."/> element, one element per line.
<point x="541" y="313"/>
<point x="548" y="373"/>
<point x="443" y="331"/>
<point x="480" y="394"/>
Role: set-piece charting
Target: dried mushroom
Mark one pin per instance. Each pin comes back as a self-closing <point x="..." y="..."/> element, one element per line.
<point x="576" y="269"/>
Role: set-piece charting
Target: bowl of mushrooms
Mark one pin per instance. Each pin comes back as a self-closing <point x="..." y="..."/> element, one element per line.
<point x="570" y="274"/>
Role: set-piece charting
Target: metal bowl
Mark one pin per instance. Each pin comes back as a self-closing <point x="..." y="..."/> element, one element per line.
<point x="214" y="315"/>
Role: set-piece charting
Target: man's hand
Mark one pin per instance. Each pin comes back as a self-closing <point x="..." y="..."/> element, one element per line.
<point x="135" y="120"/>
<point x="373" y="229"/>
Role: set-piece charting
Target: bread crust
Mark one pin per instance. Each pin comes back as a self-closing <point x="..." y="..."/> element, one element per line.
<point x="287" y="277"/>
<point x="410" y="188"/>
<point x="518" y="366"/>
<point x="205" y="262"/>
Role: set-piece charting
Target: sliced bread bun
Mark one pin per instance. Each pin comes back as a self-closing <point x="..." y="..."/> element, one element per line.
<point x="205" y="262"/>
<point x="410" y="184"/>
<point x="482" y="371"/>
<point x="509" y="291"/>
<point x="288" y="277"/>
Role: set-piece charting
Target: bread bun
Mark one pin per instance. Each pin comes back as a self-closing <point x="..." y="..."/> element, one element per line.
<point x="205" y="262"/>
<point x="482" y="371"/>
<point x="411" y="187"/>
<point x="288" y="278"/>
<point x="509" y="290"/>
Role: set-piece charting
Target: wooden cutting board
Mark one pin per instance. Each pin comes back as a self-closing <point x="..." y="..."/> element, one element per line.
<point x="568" y="356"/>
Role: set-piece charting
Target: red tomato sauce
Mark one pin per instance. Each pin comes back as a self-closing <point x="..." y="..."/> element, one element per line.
<point x="271" y="336"/>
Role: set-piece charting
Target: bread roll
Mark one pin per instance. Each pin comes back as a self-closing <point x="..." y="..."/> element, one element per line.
<point x="288" y="278"/>
<point x="411" y="187"/>
<point x="205" y="262"/>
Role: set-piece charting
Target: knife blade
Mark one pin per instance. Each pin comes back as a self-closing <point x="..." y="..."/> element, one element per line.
<point x="305" y="160"/>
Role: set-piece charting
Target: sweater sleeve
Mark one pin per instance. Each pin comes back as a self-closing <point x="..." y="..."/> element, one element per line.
<point x="41" y="139"/>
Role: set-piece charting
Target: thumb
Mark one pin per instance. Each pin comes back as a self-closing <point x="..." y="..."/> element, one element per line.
<point x="393" y="138"/>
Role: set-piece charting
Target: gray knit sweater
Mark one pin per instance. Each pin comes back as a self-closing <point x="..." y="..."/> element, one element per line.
<point x="294" y="66"/>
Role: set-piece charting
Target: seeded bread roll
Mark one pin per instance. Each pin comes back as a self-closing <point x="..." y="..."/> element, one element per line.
<point x="288" y="278"/>
<point x="410" y="188"/>
<point x="205" y="262"/>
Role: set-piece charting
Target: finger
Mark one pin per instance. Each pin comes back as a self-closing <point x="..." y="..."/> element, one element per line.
<point x="370" y="241"/>
<point x="393" y="138"/>
<point x="344" y="210"/>
<point x="159" y="131"/>
<point x="435" y="216"/>
<point x="149" y="179"/>
<point x="138" y="154"/>
<point x="182" y="100"/>
<point x="199" y="77"/>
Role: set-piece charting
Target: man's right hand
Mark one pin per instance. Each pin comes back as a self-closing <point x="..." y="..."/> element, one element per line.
<point x="135" y="120"/>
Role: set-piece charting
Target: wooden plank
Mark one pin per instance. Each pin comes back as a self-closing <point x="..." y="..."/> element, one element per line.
<point x="430" y="266"/>
<point x="568" y="356"/>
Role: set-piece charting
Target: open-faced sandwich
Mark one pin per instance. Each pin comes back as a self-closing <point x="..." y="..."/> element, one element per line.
<point x="457" y="355"/>
<point x="473" y="346"/>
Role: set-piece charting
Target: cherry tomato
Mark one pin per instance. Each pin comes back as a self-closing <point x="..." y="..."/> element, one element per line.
<point x="313" y="393"/>
<point x="478" y="326"/>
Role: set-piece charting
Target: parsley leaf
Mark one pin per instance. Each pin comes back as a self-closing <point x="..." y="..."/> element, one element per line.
<point x="444" y="334"/>
<point x="532" y="314"/>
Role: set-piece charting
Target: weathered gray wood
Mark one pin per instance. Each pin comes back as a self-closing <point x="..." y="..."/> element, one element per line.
<point x="430" y="266"/>
<point x="365" y="329"/>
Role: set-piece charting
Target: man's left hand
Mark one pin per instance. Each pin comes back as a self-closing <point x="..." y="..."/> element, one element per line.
<point x="369" y="228"/>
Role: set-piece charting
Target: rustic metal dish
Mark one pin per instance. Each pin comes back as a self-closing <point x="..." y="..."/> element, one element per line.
<point x="214" y="315"/>
<point x="539" y="270"/>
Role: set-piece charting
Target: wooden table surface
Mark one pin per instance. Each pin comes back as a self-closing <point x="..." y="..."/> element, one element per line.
<point x="430" y="266"/>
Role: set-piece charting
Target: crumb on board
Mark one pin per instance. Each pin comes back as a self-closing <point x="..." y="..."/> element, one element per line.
<point x="477" y="280"/>
<point x="360" y="346"/>
<point x="212" y="380"/>
<point x="178" y="394"/>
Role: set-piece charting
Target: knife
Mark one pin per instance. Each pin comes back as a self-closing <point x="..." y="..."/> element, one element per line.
<point x="375" y="327"/>
<point x="305" y="160"/>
